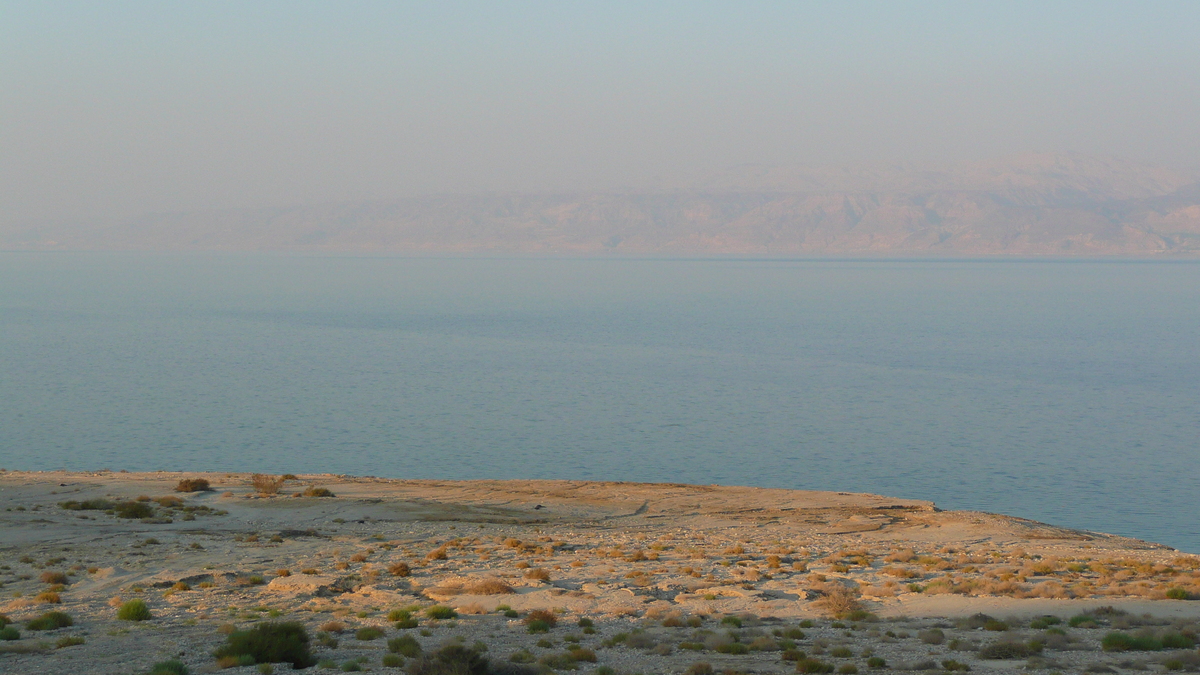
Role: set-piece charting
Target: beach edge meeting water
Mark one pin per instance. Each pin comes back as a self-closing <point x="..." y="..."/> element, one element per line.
<point x="1061" y="391"/>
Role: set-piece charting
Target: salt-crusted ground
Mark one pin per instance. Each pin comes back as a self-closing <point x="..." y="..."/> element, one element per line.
<point x="670" y="575"/>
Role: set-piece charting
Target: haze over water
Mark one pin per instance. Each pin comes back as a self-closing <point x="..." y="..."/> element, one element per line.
<point x="1059" y="391"/>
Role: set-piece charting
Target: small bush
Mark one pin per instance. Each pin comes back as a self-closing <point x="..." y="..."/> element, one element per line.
<point x="1124" y="642"/>
<point x="440" y="612"/>
<point x="172" y="667"/>
<point x="490" y="586"/>
<point x="53" y="578"/>
<point x="876" y="662"/>
<point x="314" y="491"/>
<point x="134" y="610"/>
<point x="392" y="661"/>
<point x="266" y="485"/>
<point x="270" y="643"/>
<point x="1005" y="650"/>
<point x="952" y="665"/>
<point x="192" y="485"/>
<point x="399" y="569"/>
<point x="451" y="660"/>
<point x="542" y="615"/>
<point x="1177" y="641"/>
<point x="48" y="597"/>
<point x="932" y="636"/>
<point x="368" y="633"/>
<point x="848" y="669"/>
<point x="50" y="621"/>
<point x="699" y="668"/>
<point x="9" y="633"/>
<point x="69" y="641"/>
<point x="1043" y="622"/>
<point x="810" y="665"/>
<point x="537" y="574"/>
<point x="732" y="648"/>
<point x="133" y="510"/>
<point x="406" y="645"/>
<point x="537" y="627"/>
<point x="1178" y="594"/>
<point x="1082" y="621"/>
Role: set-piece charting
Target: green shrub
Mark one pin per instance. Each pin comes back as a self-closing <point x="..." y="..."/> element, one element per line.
<point x="1179" y="594"/>
<point x="810" y="665"/>
<point x="9" y="633"/>
<point x="369" y="633"/>
<point x="399" y="615"/>
<point x="1082" y="621"/>
<point x="512" y="614"/>
<point x="538" y="626"/>
<point x="1124" y="642"/>
<point x="134" y="610"/>
<point x="440" y="612"/>
<point x="172" y="667"/>
<point x="451" y="660"/>
<point x="87" y="505"/>
<point x="393" y="660"/>
<point x="841" y="652"/>
<point x="50" y="621"/>
<point x="1044" y="622"/>
<point x="270" y="643"/>
<point x="406" y="645"/>
<point x="952" y="665"/>
<point x="848" y="669"/>
<point x="69" y="641"/>
<point x="793" y="634"/>
<point x="732" y="648"/>
<point x="732" y="621"/>
<point x="1177" y="641"/>
<point x="586" y="623"/>
<point x="876" y="662"/>
<point x="787" y="655"/>
<point x="995" y="625"/>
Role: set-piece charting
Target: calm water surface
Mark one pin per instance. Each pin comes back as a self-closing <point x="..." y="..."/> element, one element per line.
<point x="1067" y="392"/>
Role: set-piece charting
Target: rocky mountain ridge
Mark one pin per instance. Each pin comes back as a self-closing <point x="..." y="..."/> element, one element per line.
<point x="1038" y="204"/>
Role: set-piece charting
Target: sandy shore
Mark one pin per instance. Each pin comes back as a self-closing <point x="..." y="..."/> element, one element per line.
<point x="673" y="568"/>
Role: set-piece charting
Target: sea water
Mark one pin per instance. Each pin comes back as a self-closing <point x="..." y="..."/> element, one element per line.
<point x="1064" y="391"/>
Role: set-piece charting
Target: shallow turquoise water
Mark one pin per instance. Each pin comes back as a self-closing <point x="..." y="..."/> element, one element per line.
<point x="1060" y="391"/>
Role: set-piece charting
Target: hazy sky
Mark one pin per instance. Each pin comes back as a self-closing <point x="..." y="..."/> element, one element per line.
<point x="110" y="108"/>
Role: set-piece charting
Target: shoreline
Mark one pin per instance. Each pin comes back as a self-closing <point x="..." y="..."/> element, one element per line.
<point x="624" y="555"/>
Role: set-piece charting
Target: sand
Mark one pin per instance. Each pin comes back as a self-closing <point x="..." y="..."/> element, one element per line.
<point x="863" y="574"/>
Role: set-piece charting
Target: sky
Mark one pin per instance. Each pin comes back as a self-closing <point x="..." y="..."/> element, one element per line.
<point x="113" y="109"/>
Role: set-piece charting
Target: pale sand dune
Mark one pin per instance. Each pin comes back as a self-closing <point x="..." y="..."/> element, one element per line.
<point x="623" y="554"/>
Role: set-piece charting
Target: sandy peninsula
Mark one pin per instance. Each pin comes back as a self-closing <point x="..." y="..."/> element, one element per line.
<point x="539" y="576"/>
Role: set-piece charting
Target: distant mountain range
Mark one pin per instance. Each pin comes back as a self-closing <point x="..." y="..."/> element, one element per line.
<point x="1034" y="204"/>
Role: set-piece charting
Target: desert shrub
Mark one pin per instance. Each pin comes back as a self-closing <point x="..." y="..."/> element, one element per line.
<point x="450" y="660"/>
<point x="192" y="485"/>
<point x="270" y="643"/>
<point x="87" y="505"/>
<point x="793" y="634"/>
<point x="995" y="625"/>
<point x="1082" y="621"/>
<point x="368" y="633"/>
<point x="952" y="665"/>
<point x="838" y="600"/>
<point x="69" y="641"/>
<point x="406" y="645"/>
<point x="50" y="621"/>
<point x="732" y="621"/>
<point x="53" y="578"/>
<point x="876" y="662"/>
<point x="1178" y="641"/>
<point x="582" y="654"/>
<point x="542" y="615"/>
<point x="699" y="668"/>
<point x="1005" y="650"/>
<point x="134" y="610"/>
<point x="9" y="633"/>
<point x="810" y="665"/>
<point x="1178" y="594"/>
<point x="314" y="491"/>
<point x="4" y="620"/>
<point x="172" y="667"/>
<point x="440" y="612"/>
<point x="48" y="597"/>
<point x="932" y="636"/>
<point x="848" y="669"/>
<point x="975" y="621"/>
<point x="133" y="510"/>
<point x="1124" y="642"/>
<point x="399" y="569"/>
<point x="732" y="648"/>
<point x="1044" y="622"/>
<point x="841" y="652"/>
<point x="266" y="485"/>
<point x="332" y="627"/>
<point x="585" y="622"/>
<point x="537" y="574"/>
<point x="537" y="627"/>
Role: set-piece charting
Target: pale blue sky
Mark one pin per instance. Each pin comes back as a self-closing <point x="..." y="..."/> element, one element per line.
<point x="109" y="109"/>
